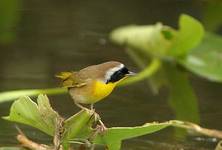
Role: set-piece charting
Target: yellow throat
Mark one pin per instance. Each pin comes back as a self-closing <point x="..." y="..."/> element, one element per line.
<point x="101" y="90"/>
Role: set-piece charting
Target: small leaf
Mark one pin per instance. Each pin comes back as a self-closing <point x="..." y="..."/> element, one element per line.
<point x="190" y="34"/>
<point x="206" y="59"/>
<point x="40" y="116"/>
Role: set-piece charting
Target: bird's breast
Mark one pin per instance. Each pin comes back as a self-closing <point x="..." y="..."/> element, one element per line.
<point x="101" y="90"/>
<point x="91" y="93"/>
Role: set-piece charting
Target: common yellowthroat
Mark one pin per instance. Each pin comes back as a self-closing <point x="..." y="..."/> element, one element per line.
<point x="95" y="82"/>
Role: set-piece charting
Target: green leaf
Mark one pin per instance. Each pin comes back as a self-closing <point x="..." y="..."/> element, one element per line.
<point x="40" y="116"/>
<point x="159" y="40"/>
<point x="112" y="137"/>
<point x="206" y="59"/>
<point x="12" y="95"/>
<point x="182" y="98"/>
<point x="154" y="40"/>
<point x="190" y="34"/>
<point x="78" y="125"/>
<point x="114" y="146"/>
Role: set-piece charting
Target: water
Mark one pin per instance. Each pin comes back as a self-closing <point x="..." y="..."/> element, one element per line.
<point x="54" y="35"/>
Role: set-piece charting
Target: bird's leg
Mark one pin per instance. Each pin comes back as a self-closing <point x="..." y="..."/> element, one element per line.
<point x="98" y="118"/>
<point x="102" y="125"/>
<point x="92" y="107"/>
<point x="80" y="106"/>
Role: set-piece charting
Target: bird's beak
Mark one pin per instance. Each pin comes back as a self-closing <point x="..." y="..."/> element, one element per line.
<point x="131" y="73"/>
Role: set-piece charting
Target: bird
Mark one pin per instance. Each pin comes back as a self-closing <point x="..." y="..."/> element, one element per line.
<point x="93" y="83"/>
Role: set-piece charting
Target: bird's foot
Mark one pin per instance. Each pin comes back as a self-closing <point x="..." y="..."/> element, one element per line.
<point x="102" y="127"/>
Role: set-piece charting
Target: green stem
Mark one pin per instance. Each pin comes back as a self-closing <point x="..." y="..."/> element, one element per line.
<point x="12" y="95"/>
<point x="147" y="72"/>
<point x="136" y="58"/>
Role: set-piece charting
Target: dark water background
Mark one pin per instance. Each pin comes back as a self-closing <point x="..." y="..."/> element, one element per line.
<point x="57" y="35"/>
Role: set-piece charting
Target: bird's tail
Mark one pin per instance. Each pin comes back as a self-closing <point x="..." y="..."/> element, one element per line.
<point x="67" y="79"/>
<point x="64" y="75"/>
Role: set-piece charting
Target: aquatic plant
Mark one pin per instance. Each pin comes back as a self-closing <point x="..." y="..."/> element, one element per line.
<point x="82" y="128"/>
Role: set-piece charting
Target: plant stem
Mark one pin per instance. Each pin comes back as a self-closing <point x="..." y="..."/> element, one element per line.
<point x="12" y="95"/>
<point x="135" y="58"/>
<point x="147" y="72"/>
<point x="196" y="128"/>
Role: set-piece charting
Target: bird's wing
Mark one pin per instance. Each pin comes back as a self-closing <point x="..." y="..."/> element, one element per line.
<point x="71" y="79"/>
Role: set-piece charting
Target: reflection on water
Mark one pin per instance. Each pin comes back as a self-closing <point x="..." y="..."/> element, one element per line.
<point x="54" y="36"/>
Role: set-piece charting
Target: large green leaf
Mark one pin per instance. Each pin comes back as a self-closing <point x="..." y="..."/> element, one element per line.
<point x="40" y="116"/>
<point x="190" y="34"/>
<point x="153" y="40"/>
<point x="112" y="137"/>
<point x="206" y="59"/>
<point x="159" y="40"/>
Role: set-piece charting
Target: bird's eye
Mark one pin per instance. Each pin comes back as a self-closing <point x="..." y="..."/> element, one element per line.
<point x="118" y="75"/>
